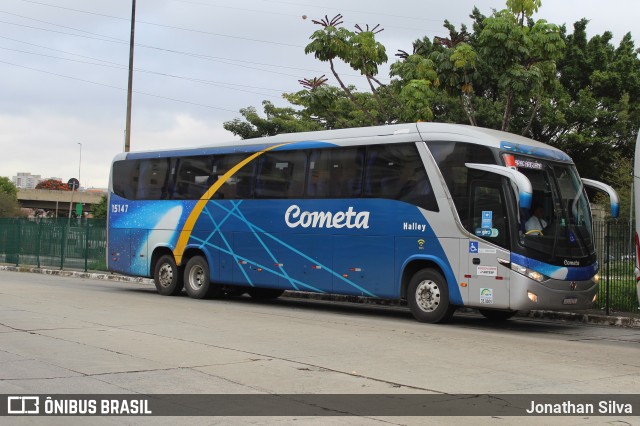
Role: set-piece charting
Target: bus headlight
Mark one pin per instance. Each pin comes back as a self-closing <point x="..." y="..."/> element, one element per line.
<point x="536" y="276"/>
<point x="596" y="278"/>
<point x="532" y="296"/>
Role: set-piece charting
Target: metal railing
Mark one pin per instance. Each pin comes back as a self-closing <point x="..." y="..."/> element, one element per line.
<point x="73" y="244"/>
<point x="54" y="243"/>
<point x="615" y="245"/>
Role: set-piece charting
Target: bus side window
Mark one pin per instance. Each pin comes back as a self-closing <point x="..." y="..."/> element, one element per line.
<point x="397" y="172"/>
<point x="125" y="178"/>
<point x="335" y="173"/>
<point x="240" y="185"/>
<point x="280" y="175"/>
<point x="451" y="158"/>
<point x="318" y="173"/>
<point x="192" y="177"/>
<point x="152" y="182"/>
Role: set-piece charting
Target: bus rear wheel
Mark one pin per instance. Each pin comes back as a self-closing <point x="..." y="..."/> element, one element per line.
<point x="167" y="277"/>
<point x="497" y="315"/>
<point x="428" y="297"/>
<point x="265" y="293"/>
<point x="196" y="279"/>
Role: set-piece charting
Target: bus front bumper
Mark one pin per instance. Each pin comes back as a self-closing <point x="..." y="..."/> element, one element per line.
<point x="556" y="295"/>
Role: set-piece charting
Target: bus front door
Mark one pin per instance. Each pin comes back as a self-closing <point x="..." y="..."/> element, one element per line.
<point x="488" y="281"/>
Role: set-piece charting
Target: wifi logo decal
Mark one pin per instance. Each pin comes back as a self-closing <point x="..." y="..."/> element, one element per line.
<point x="420" y="244"/>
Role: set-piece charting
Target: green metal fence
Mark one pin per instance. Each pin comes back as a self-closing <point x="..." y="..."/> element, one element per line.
<point x="74" y="244"/>
<point x="54" y="243"/>
<point x="617" y="257"/>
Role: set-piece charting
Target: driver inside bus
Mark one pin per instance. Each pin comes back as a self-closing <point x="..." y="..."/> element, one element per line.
<point x="536" y="221"/>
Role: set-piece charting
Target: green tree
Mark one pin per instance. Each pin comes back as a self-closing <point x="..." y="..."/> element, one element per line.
<point x="523" y="8"/>
<point x="594" y="110"/>
<point x="7" y="187"/>
<point x="277" y="120"/>
<point x="621" y="178"/>
<point x="100" y="210"/>
<point x="9" y="205"/>
<point x="359" y="50"/>
<point x="519" y="61"/>
<point x="329" y="107"/>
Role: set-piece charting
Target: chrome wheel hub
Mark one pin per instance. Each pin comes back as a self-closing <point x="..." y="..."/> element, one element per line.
<point x="428" y="296"/>
<point x="165" y="275"/>
<point x="196" y="277"/>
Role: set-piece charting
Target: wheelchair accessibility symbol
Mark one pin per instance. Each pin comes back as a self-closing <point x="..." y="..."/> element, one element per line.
<point x="473" y="247"/>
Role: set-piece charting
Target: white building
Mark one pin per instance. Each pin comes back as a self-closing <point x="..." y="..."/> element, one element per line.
<point x="26" y="180"/>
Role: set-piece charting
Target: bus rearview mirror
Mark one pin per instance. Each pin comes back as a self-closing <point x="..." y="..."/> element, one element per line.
<point x="525" y="191"/>
<point x="613" y="195"/>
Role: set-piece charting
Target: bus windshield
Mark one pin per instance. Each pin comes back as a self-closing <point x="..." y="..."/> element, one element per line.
<point x="558" y="225"/>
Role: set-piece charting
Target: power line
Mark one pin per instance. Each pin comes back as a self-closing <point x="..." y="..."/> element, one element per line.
<point x="58" y="50"/>
<point x="195" y="55"/>
<point x="118" y="88"/>
<point x="271" y="12"/>
<point x="350" y="10"/>
<point x="165" y="26"/>
<point x="245" y="10"/>
<point x="56" y="25"/>
<point x="115" y="65"/>
<point x="110" y="39"/>
<point x="97" y="37"/>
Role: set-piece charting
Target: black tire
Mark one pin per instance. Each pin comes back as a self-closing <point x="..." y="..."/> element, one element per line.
<point x="196" y="279"/>
<point x="264" y="293"/>
<point x="428" y="297"/>
<point x="497" y="315"/>
<point x="167" y="276"/>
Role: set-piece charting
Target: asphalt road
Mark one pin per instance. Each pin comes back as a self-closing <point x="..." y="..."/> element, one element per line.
<point x="70" y="335"/>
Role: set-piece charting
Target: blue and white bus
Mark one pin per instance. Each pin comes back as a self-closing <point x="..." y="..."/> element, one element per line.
<point x="435" y="214"/>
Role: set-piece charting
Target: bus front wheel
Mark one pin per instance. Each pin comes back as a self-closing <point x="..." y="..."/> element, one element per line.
<point x="428" y="297"/>
<point x="196" y="279"/>
<point x="166" y="276"/>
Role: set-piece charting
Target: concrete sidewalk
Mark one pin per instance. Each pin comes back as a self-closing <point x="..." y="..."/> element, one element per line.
<point x="594" y="316"/>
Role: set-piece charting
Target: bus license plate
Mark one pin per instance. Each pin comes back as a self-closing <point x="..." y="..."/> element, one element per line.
<point x="570" y="301"/>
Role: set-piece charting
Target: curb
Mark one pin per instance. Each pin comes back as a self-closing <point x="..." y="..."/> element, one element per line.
<point x="581" y="317"/>
<point x="77" y="274"/>
<point x="588" y="318"/>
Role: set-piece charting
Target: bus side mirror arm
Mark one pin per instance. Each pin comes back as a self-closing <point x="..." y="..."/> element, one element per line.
<point x="525" y="191"/>
<point x="613" y="195"/>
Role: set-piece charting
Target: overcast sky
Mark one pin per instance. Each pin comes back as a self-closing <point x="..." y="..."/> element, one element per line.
<point x="63" y="67"/>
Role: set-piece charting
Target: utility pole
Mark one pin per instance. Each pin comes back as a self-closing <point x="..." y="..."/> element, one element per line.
<point x="127" y="136"/>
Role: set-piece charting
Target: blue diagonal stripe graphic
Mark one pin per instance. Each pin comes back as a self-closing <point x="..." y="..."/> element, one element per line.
<point x="255" y="228"/>
<point x="274" y="272"/>
<point x="224" y="239"/>
<point x="257" y="236"/>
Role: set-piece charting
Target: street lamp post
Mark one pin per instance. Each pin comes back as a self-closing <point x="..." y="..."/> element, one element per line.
<point x="79" y="164"/>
